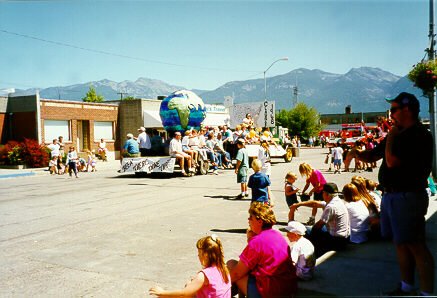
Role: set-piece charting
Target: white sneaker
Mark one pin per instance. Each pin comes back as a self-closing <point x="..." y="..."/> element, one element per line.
<point x="215" y="172"/>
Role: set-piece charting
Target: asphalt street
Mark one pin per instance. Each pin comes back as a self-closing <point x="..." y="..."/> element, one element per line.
<point x="107" y="234"/>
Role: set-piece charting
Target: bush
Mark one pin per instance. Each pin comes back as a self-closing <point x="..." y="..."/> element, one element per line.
<point x="28" y="153"/>
<point x="34" y="154"/>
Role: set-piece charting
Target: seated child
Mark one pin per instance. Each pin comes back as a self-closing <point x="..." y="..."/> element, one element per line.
<point x="186" y="148"/>
<point x="302" y="250"/>
<point x="53" y="165"/>
<point x="212" y="280"/>
<point x="61" y="168"/>
<point x="259" y="183"/>
<point x="81" y="165"/>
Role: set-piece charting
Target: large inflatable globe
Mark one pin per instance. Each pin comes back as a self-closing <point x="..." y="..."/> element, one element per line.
<point x="182" y="110"/>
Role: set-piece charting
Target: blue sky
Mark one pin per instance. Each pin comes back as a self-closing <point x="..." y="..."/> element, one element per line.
<point x="203" y="44"/>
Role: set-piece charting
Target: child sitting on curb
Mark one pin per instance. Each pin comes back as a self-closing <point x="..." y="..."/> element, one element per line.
<point x="212" y="280"/>
<point x="53" y="165"/>
<point x="302" y="250"/>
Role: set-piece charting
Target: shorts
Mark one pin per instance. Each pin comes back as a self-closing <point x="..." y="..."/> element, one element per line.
<point x="252" y="290"/>
<point x="337" y="162"/>
<point x="318" y="196"/>
<point x="403" y="216"/>
<point x="242" y="175"/>
<point x="291" y="200"/>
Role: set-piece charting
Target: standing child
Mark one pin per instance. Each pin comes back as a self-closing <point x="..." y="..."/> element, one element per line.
<point x="91" y="161"/>
<point x="302" y="250"/>
<point x="289" y="189"/>
<point x="337" y="155"/>
<point x="242" y="167"/>
<point x="71" y="161"/>
<point x="259" y="183"/>
<point x="316" y="179"/>
<point x="212" y="281"/>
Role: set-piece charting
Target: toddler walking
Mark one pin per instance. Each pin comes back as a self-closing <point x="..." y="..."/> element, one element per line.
<point x="212" y="281"/>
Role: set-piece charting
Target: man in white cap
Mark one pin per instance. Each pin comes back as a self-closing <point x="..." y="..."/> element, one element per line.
<point x="130" y="148"/>
<point x="302" y="250"/>
<point x="143" y="140"/>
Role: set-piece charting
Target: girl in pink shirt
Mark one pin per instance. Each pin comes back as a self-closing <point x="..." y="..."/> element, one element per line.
<point x="316" y="179"/>
<point x="212" y="281"/>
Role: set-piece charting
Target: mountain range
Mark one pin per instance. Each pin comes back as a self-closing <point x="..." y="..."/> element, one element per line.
<point x="362" y="88"/>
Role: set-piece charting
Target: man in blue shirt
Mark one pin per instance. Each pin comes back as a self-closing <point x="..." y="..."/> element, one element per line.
<point x="130" y="148"/>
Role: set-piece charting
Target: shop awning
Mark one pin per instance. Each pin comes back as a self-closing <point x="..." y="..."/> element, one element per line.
<point x="152" y="119"/>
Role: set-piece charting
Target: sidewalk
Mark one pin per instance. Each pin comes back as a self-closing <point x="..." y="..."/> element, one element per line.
<point x="12" y="173"/>
<point x="364" y="268"/>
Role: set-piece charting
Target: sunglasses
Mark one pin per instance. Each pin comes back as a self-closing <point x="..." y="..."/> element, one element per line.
<point x="394" y="109"/>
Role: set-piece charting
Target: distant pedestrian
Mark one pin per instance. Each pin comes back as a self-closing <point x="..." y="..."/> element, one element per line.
<point x="72" y="160"/>
<point x="337" y="155"/>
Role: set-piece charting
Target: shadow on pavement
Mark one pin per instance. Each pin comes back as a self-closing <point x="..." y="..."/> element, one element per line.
<point x="233" y="231"/>
<point x="228" y="198"/>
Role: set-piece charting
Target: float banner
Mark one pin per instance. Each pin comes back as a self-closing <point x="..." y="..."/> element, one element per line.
<point x="263" y="113"/>
<point x="148" y="165"/>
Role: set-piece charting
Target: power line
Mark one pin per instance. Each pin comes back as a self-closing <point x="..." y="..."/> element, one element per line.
<point x="120" y="55"/>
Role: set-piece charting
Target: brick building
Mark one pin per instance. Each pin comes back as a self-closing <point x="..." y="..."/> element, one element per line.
<point x="81" y="124"/>
<point x="84" y="124"/>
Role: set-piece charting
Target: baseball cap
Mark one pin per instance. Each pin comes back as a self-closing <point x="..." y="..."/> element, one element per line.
<point x="330" y="188"/>
<point x="130" y="136"/>
<point x="241" y="141"/>
<point x="406" y="99"/>
<point x="142" y="128"/>
<point x="296" y="228"/>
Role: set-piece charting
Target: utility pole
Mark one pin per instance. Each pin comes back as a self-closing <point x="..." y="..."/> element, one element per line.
<point x="431" y="96"/>
<point x="295" y="93"/>
<point x="121" y="94"/>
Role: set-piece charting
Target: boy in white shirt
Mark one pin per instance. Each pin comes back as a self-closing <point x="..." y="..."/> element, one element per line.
<point x="302" y="250"/>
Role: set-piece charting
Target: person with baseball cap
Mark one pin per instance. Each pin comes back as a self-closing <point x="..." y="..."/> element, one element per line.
<point x="335" y="218"/>
<point x="130" y="147"/>
<point x="407" y="161"/>
<point x="144" y="143"/>
<point x="302" y="250"/>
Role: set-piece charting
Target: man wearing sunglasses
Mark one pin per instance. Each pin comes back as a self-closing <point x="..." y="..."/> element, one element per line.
<point x="406" y="165"/>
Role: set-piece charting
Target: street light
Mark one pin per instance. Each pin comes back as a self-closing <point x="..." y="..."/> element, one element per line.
<point x="265" y="89"/>
<point x="265" y="81"/>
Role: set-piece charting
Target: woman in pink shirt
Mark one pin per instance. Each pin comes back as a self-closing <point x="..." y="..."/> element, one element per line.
<point x="316" y="179"/>
<point x="265" y="268"/>
<point x="210" y="282"/>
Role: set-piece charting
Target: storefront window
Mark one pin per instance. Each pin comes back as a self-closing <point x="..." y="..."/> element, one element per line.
<point x="55" y="128"/>
<point x="103" y="130"/>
